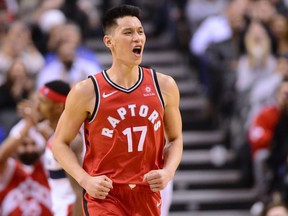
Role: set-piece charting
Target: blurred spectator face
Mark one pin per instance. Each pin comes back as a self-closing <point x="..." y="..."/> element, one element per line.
<point x="71" y="34"/>
<point x="277" y="211"/>
<point x="18" y="75"/>
<point x="28" y="153"/>
<point x="18" y="80"/>
<point x="19" y="31"/>
<point x="55" y="37"/>
<point x="67" y="53"/>
<point x="18" y="71"/>
<point x="18" y="37"/>
<point x="236" y="11"/>
<point x="257" y="41"/>
<point x="279" y="26"/>
<point x="262" y="10"/>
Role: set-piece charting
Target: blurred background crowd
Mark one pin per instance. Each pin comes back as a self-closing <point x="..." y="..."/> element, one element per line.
<point x="239" y="49"/>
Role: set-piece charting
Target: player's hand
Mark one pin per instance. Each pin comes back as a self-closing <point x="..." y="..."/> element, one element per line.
<point x="98" y="186"/>
<point x="27" y="109"/>
<point x="157" y="179"/>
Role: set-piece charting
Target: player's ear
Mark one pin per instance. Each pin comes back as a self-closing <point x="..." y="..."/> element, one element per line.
<point x="107" y="41"/>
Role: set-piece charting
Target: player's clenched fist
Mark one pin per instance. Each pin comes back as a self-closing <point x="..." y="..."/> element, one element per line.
<point x="157" y="179"/>
<point x="98" y="186"/>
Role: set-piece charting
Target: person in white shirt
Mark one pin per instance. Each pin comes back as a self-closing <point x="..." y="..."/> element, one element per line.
<point x="218" y="28"/>
<point x="68" y="67"/>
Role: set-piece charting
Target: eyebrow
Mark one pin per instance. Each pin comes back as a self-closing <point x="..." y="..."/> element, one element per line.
<point x="130" y="28"/>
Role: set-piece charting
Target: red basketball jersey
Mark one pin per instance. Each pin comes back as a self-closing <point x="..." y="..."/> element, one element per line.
<point x="125" y="135"/>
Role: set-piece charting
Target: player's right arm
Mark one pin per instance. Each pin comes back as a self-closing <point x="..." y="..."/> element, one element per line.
<point x="79" y="104"/>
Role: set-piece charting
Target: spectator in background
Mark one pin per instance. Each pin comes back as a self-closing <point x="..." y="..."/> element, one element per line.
<point x="198" y="10"/>
<point x="263" y="93"/>
<point x="48" y="24"/>
<point x="18" y="86"/>
<point x="262" y="10"/>
<point x="24" y="188"/>
<point x="90" y="8"/>
<point x="257" y="63"/>
<point x="279" y="27"/>
<point x="69" y="67"/>
<point x="18" y="44"/>
<point x="266" y="136"/>
<point x="42" y="112"/>
<point x="260" y="136"/>
<point x="215" y="46"/>
<point x="219" y="28"/>
<point x="75" y="14"/>
<point x="69" y="32"/>
<point x="82" y="12"/>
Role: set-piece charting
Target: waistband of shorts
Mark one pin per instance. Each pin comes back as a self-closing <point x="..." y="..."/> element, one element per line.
<point x="57" y="174"/>
<point x="133" y="187"/>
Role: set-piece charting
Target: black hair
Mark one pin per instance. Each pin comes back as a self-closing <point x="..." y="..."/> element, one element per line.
<point x="112" y="14"/>
<point x="59" y="86"/>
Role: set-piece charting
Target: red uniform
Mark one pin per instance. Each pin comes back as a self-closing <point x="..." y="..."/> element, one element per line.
<point x="125" y="140"/>
<point x="23" y="193"/>
<point x="262" y="128"/>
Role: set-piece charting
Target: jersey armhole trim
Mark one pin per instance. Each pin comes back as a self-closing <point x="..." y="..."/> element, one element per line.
<point x="158" y="87"/>
<point x="97" y="98"/>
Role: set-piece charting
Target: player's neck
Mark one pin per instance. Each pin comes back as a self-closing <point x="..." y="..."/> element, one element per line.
<point x="124" y="76"/>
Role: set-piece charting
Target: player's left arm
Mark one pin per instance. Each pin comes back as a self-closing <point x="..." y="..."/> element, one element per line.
<point x="158" y="179"/>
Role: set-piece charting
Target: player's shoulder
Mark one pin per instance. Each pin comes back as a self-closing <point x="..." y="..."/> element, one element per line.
<point x="160" y="75"/>
<point x="83" y="86"/>
<point x="82" y="91"/>
<point x="165" y="80"/>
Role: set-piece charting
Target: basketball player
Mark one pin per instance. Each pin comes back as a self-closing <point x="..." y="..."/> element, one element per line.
<point x="66" y="194"/>
<point x="130" y="113"/>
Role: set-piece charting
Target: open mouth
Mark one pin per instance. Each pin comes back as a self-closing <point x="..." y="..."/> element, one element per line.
<point x="137" y="50"/>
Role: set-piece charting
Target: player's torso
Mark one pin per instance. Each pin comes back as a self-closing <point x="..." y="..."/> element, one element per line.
<point x="125" y="137"/>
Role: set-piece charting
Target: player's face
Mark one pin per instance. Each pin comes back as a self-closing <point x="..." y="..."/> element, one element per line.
<point x="128" y="40"/>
